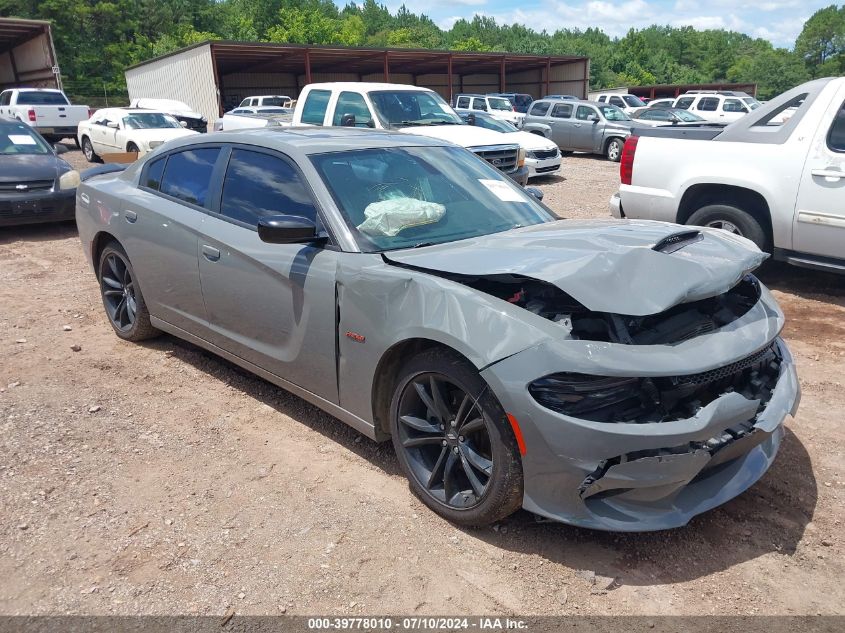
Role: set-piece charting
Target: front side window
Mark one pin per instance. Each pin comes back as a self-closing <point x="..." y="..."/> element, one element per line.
<point x="498" y="103"/>
<point x="655" y="115"/>
<point x="354" y="104"/>
<point x="400" y="197"/>
<point x="617" y="101"/>
<point x="188" y="175"/>
<point x="314" y="108"/>
<point x="836" y="136"/>
<point x="562" y="110"/>
<point x="612" y="113"/>
<point x="583" y="113"/>
<point x="479" y="104"/>
<point x="733" y="105"/>
<point x="633" y="101"/>
<point x="708" y="104"/>
<point x="155" y="170"/>
<point x="258" y="185"/>
<point x="539" y="109"/>
<point x="684" y="102"/>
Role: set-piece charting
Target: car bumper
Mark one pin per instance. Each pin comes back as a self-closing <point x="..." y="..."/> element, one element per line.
<point x="616" y="206"/>
<point x="542" y="167"/>
<point x="647" y="203"/>
<point x="648" y="476"/>
<point x="63" y="132"/>
<point x="38" y="207"/>
<point x="520" y="176"/>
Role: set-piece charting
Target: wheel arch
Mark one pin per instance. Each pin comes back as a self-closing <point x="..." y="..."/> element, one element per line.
<point x="384" y="377"/>
<point x="750" y="201"/>
<point x="97" y="245"/>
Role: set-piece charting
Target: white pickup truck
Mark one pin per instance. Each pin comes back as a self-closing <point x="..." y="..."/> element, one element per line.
<point x="48" y="111"/>
<point x="776" y="176"/>
<point x="405" y="108"/>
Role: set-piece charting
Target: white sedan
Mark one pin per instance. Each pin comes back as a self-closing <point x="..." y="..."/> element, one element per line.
<point x="118" y="130"/>
<point x="542" y="155"/>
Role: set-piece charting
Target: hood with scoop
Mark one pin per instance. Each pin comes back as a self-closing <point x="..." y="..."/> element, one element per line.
<point x="625" y="267"/>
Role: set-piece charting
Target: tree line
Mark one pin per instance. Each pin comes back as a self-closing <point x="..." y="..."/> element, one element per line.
<point x="97" y="39"/>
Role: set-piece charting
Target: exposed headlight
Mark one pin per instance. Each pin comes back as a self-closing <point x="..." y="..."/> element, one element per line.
<point x="204" y="120"/>
<point x="154" y="144"/>
<point x="530" y="155"/>
<point x="520" y="159"/>
<point x="69" y="180"/>
<point x="598" y="398"/>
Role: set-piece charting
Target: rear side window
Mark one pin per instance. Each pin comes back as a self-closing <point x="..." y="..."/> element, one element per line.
<point x="562" y="110"/>
<point x="155" y="170"/>
<point x="684" y="102"/>
<point x="314" y="109"/>
<point x="733" y="105"/>
<point x="463" y="102"/>
<point x="41" y="98"/>
<point x="258" y="185"/>
<point x="539" y="109"/>
<point x="708" y="104"/>
<point x="352" y="103"/>
<point x="836" y="137"/>
<point x="188" y="175"/>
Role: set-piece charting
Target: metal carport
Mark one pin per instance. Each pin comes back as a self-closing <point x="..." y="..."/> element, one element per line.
<point x="27" y="55"/>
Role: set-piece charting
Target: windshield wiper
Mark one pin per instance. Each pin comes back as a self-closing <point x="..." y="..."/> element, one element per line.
<point x="423" y="244"/>
<point x="413" y="123"/>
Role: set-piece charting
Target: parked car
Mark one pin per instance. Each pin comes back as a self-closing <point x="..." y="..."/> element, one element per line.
<point x="116" y="130"/>
<point x="48" y="111"/>
<point x="718" y="106"/>
<point x="664" y="116"/>
<point x="35" y="184"/>
<point x="406" y="109"/>
<point x="780" y="185"/>
<point x="264" y="116"/>
<point x="497" y="107"/>
<point x="542" y="156"/>
<point x="626" y="103"/>
<point x="179" y="110"/>
<point x="580" y="126"/>
<point x="614" y="375"/>
<point x="282" y="101"/>
<point x="668" y="102"/>
<point x="563" y="97"/>
<point x="520" y="101"/>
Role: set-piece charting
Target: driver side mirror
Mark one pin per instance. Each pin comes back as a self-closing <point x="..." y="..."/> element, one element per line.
<point x="286" y="229"/>
<point x="534" y="191"/>
<point x="113" y="124"/>
<point x="471" y="119"/>
<point x="59" y="149"/>
<point x="183" y="123"/>
<point x="593" y="118"/>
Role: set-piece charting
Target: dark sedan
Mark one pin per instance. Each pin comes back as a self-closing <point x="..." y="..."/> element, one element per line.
<point x="35" y="184"/>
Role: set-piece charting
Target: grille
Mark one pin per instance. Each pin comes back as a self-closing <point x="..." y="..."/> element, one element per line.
<point x="543" y="170"/>
<point x="502" y="158"/>
<point x="31" y="185"/>
<point x="728" y="370"/>
<point x="545" y="153"/>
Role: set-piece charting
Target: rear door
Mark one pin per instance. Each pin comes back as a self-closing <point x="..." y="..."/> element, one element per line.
<point x="583" y="129"/>
<point x="820" y="212"/>
<point x="561" y="122"/>
<point x="270" y="304"/>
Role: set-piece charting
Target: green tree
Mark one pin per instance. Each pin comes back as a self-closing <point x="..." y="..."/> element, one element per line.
<point x="822" y="38"/>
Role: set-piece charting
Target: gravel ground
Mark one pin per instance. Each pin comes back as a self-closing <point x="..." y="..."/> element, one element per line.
<point x="159" y="479"/>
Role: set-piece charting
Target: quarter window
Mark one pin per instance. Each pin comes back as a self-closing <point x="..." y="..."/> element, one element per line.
<point x="188" y="174"/>
<point x="258" y="185"/>
<point x="155" y="170"/>
<point x="562" y="110"/>
<point x="539" y="109"/>
<point x="708" y="104"/>
<point x="352" y="103"/>
<point x="314" y="109"/>
<point x="836" y="137"/>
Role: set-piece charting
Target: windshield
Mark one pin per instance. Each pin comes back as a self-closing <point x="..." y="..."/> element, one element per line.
<point x="490" y="123"/>
<point x="499" y="103"/>
<point x="18" y="138"/>
<point x="633" y="101"/>
<point x="686" y="116"/>
<point x="275" y="110"/>
<point x="402" y="108"/>
<point x="612" y="113"/>
<point x="275" y="101"/>
<point x="149" y="121"/>
<point x="31" y="97"/>
<point x="403" y="197"/>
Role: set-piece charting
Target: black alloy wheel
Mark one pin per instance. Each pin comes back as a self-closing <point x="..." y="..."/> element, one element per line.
<point x="118" y="290"/>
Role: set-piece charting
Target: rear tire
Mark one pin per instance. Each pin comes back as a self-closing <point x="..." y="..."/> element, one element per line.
<point x="732" y="219"/>
<point x="453" y="440"/>
<point x="88" y="150"/>
<point x="125" y="306"/>
<point x="613" y="151"/>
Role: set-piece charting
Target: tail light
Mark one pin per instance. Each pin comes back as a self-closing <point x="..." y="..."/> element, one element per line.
<point x="31" y="114"/>
<point x="626" y="163"/>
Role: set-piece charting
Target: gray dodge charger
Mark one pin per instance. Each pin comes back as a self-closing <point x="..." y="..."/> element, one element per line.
<point x="619" y="375"/>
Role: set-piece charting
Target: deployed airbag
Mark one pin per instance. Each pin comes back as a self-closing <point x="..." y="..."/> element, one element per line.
<point x="389" y="217"/>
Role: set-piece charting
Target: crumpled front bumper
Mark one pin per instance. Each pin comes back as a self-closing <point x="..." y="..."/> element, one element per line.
<point x="648" y="476"/>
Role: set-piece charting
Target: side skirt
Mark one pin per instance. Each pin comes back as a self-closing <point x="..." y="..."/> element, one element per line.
<point x="359" y="424"/>
<point x="816" y="262"/>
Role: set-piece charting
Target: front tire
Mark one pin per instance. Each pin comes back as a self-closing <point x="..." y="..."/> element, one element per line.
<point x="131" y="147"/>
<point x="88" y="150"/>
<point x="454" y="441"/>
<point x="732" y="219"/>
<point x="614" y="150"/>
<point x="125" y="306"/>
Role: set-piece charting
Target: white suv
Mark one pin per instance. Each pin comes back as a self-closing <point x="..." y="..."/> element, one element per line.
<point x="626" y="103"/>
<point x="497" y="107"/>
<point x="720" y="107"/>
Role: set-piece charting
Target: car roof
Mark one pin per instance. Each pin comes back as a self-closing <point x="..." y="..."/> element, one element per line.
<point x="471" y="94"/>
<point x="125" y="111"/>
<point x="364" y="86"/>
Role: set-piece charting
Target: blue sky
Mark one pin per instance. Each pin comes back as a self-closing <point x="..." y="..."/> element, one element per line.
<point x="779" y="21"/>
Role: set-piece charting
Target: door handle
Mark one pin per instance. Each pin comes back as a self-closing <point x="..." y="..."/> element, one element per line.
<point x="130" y="216"/>
<point x="828" y="173"/>
<point x="210" y="253"/>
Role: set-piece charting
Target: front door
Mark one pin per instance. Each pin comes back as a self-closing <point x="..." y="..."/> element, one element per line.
<point x="820" y="212"/>
<point x="561" y="123"/>
<point x="270" y="304"/>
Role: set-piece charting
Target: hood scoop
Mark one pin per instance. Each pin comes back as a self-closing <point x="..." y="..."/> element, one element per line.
<point x="677" y="241"/>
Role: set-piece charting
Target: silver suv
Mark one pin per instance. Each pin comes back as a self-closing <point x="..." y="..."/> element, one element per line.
<point x="580" y="126"/>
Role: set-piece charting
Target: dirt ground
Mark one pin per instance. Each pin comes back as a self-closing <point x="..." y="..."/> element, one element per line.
<point x="159" y="479"/>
